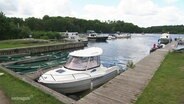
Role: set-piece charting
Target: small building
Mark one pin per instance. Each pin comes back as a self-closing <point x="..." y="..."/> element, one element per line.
<point x="72" y="35"/>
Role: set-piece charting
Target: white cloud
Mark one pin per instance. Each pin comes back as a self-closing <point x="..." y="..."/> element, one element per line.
<point x="140" y="12"/>
<point x="7" y="6"/>
<point x="39" y="8"/>
<point x="171" y="1"/>
<point x="99" y="12"/>
<point x="137" y="7"/>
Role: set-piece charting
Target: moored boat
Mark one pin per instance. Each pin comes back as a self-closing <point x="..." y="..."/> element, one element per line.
<point x="123" y="35"/>
<point x="97" y="38"/>
<point x="41" y="62"/>
<point x="165" y="38"/>
<point x="93" y="36"/>
<point x="82" y="71"/>
<point x="110" y="37"/>
<point x="180" y="45"/>
<point x="179" y="48"/>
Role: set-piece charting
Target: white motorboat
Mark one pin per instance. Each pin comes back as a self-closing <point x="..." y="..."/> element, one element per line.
<point x="180" y="41"/>
<point x="122" y="35"/>
<point x="179" y="48"/>
<point x="180" y="45"/>
<point x="82" y="71"/>
<point x="110" y="37"/>
<point x="165" y="38"/>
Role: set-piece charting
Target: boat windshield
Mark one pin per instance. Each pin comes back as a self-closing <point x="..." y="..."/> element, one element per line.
<point x="82" y="63"/>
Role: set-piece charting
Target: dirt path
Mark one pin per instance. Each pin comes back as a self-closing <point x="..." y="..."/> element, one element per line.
<point x="3" y="98"/>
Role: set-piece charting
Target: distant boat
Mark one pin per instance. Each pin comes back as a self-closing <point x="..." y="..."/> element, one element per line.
<point x="122" y="35"/>
<point x="165" y="38"/>
<point x="92" y="36"/>
<point x="179" y="48"/>
<point x="110" y="37"/>
<point x="180" y="41"/>
<point x="155" y="47"/>
<point x="82" y="71"/>
<point x="180" y="45"/>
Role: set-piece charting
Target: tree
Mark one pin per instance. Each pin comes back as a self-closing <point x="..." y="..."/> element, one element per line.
<point x="25" y="32"/>
<point x="4" y="27"/>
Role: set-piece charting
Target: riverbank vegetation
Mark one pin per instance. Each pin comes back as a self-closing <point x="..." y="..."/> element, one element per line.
<point x="19" y="92"/>
<point x="178" y="29"/>
<point x="51" y="27"/>
<point x="166" y="87"/>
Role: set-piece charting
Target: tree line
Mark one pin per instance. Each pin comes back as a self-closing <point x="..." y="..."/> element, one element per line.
<point x="177" y="29"/>
<point x="49" y="27"/>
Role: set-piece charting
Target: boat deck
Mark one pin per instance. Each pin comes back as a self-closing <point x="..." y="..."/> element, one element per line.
<point x="36" y="74"/>
<point x="125" y="88"/>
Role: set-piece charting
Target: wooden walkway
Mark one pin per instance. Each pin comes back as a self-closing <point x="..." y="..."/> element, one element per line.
<point x="125" y="88"/>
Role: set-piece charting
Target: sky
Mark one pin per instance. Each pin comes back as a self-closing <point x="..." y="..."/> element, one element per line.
<point x="144" y="13"/>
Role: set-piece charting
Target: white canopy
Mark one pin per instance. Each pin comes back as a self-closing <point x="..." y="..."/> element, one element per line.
<point x="165" y="35"/>
<point x="88" y="52"/>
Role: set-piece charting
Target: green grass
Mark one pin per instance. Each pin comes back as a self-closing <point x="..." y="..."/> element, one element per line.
<point x="22" y="43"/>
<point x="167" y="85"/>
<point x="19" y="92"/>
<point x="3" y="46"/>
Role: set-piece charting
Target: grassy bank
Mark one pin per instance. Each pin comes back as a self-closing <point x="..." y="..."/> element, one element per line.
<point x="23" y="43"/>
<point x="19" y="92"/>
<point x="167" y="85"/>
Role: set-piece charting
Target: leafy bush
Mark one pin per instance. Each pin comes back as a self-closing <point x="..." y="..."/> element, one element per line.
<point x="46" y="35"/>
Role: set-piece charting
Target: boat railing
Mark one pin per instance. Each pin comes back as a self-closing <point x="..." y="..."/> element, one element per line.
<point x="73" y="75"/>
<point x="52" y="77"/>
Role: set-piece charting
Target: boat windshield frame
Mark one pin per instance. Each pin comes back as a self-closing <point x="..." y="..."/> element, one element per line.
<point x="82" y="63"/>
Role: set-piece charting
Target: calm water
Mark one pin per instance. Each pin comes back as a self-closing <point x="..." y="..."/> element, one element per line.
<point x="122" y="50"/>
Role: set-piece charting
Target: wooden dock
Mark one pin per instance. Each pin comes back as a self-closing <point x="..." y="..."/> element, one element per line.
<point x="125" y="88"/>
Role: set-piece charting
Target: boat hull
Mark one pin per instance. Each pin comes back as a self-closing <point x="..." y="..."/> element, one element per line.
<point x="82" y="85"/>
<point x="98" y="39"/>
<point x="119" y="37"/>
<point x="164" y="41"/>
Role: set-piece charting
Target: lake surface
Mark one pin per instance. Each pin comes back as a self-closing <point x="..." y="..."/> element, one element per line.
<point x="134" y="49"/>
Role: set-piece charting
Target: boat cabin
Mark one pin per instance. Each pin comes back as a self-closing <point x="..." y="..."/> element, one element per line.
<point x="82" y="60"/>
<point x="82" y="63"/>
<point x="91" y="33"/>
<point x="165" y="38"/>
